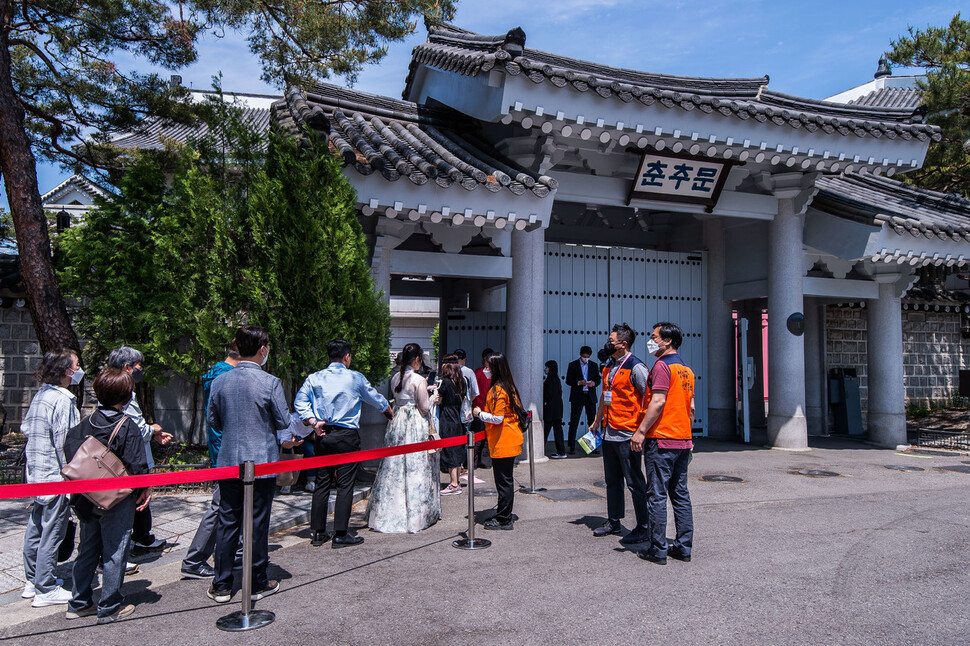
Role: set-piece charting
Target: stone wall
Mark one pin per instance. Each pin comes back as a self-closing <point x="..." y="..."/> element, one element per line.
<point x="19" y="357"/>
<point x="934" y="350"/>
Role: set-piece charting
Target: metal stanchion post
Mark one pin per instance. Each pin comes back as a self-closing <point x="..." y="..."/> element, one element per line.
<point x="470" y="542"/>
<point x="247" y="618"/>
<point x="532" y="464"/>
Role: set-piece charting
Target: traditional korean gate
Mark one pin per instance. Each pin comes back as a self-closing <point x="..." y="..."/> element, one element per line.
<point x="590" y="288"/>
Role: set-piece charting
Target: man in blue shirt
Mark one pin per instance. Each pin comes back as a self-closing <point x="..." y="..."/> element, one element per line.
<point x="329" y="400"/>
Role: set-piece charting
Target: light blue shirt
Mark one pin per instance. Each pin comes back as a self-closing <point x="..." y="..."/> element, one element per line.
<point x="333" y="395"/>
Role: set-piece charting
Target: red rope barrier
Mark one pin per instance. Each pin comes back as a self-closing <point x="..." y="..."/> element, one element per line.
<point x="218" y="473"/>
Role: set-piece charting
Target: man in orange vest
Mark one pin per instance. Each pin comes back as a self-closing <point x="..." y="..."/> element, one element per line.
<point x="664" y="436"/>
<point x="619" y="413"/>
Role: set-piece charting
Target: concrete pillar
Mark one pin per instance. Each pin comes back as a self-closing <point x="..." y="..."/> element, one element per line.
<point x="814" y="367"/>
<point x="524" y="327"/>
<point x="887" y="395"/>
<point x="372" y="423"/>
<point x="444" y="306"/>
<point x="787" y="428"/>
<point x="381" y="268"/>
<point x="721" y="380"/>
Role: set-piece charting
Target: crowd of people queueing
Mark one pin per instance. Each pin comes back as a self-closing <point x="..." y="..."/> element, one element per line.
<point x="642" y="416"/>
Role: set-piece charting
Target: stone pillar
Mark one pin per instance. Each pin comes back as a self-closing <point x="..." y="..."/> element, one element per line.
<point x="787" y="427"/>
<point x="814" y="367"/>
<point x="381" y="268"/>
<point x="887" y="395"/>
<point x="721" y="380"/>
<point x="524" y="327"/>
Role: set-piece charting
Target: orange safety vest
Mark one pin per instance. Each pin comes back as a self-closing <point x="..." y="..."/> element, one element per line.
<point x="626" y="410"/>
<point x="674" y="421"/>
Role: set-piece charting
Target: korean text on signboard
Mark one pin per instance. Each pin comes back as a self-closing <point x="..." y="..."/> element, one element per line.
<point x="679" y="179"/>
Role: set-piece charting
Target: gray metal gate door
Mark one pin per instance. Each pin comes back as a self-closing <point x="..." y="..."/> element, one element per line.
<point x="588" y="289"/>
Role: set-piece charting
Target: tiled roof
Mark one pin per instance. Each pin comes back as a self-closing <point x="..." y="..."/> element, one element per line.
<point x="77" y="181"/>
<point x="452" y="49"/>
<point x="890" y="97"/>
<point x="906" y="209"/>
<point x="154" y="134"/>
<point x="399" y="138"/>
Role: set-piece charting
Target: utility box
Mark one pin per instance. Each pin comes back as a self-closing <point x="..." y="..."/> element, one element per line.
<point x="844" y="399"/>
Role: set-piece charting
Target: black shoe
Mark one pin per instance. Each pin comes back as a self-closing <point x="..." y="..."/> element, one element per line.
<point x="572" y="451"/>
<point x="607" y="528"/>
<point x="201" y="571"/>
<point x="219" y="595"/>
<point x="271" y="587"/>
<point x="346" y="541"/>
<point x="646" y="556"/>
<point x="678" y="556"/>
<point x="319" y="538"/>
<point x="493" y="523"/>
<point x="638" y="535"/>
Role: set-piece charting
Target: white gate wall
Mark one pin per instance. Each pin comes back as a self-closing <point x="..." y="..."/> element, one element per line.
<point x="588" y="289"/>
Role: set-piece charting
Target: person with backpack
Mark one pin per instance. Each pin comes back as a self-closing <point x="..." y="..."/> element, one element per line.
<point x="450" y="397"/>
<point x="504" y="420"/>
<point x="53" y="411"/>
<point x="106" y="533"/>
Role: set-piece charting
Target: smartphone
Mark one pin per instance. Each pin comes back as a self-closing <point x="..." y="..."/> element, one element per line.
<point x="432" y="378"/>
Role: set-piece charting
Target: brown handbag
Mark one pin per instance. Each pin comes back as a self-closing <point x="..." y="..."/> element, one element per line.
<point x="93" y="461"/>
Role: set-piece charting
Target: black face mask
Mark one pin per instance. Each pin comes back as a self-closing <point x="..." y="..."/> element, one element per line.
<point x="137" y="374"/>
<point x="609" y="348"/>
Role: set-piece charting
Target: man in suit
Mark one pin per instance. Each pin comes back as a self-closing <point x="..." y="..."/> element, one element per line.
<point x="247" y="405"/>
<point x="582" y="377"/>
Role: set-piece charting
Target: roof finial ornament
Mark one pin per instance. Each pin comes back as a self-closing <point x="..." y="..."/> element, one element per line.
<point x="884" y="69"/>
<point x="514" y="42"/>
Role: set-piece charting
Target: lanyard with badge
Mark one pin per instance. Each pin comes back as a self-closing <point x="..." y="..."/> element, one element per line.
<point x="608" y="391"/>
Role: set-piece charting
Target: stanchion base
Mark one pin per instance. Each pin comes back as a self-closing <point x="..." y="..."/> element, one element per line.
<point x="471" y="544"/>
<point x="236" y="622"/>
<point x="528" y="490"/>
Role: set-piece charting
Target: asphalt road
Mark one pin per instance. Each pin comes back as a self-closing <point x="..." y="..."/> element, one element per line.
<point x="872" y="556"/>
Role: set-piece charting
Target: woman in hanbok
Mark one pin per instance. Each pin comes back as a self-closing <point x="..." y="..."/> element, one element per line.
<point x="405" y="497"/>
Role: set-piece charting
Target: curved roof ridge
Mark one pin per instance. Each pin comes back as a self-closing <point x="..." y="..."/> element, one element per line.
<point x="844" y="110"/>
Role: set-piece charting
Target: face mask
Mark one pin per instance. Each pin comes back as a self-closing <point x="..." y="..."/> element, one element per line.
<point x="137" y="374"/>
<point x="610" y="348"/>
<point x="585" y="360"/>
<point x="77" y="376"/>
<point x="546" y="372"/>
<point x="652" y="346"/>
<point x="488" y="373"/>
<point x="265" y="357"/>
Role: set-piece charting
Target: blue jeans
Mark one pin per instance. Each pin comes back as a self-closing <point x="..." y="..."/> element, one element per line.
<point x="667" y="476"/>
<point x="105" y="535"/>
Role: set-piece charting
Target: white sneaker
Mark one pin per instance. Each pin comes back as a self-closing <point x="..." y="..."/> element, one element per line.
<point x="55" y="597"/>
<point x="30" y="591"/>
<point x="464" y="478"/>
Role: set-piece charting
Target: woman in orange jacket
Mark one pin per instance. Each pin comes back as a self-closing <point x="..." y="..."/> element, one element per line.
<point x="504" y="432"/>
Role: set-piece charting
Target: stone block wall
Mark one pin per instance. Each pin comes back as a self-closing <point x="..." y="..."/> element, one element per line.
<point x="934" y="351"/>
<point x="19" y="357"/>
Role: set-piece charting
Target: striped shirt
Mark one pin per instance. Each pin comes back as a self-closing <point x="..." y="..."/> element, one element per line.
<point x="52" y="413"/>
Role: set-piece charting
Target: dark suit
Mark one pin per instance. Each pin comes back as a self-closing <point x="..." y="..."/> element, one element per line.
<point x="580" y="400"/>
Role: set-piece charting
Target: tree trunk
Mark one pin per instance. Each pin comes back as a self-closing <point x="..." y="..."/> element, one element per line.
<point x="47" y="309"/>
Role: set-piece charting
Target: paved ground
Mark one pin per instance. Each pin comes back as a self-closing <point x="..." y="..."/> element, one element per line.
<point x="870" y="556"/>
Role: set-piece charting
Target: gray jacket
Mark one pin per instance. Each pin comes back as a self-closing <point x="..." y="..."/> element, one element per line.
<point x="248" y="406"/>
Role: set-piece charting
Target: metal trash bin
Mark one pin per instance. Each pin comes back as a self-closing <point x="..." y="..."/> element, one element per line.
<point x="844" y="399"/>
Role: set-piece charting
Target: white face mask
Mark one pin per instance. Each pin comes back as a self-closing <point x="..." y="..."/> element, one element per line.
<point x="77" y="377"/>
<point x="265" y="357"/>
<point x="652" y="346"/>
<point x="488" y="373"/>
<point x="585" y="360"/>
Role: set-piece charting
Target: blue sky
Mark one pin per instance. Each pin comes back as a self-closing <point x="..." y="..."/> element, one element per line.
<point x="811" y="49"/>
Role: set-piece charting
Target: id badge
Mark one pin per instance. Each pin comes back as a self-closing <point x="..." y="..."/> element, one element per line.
<point x="607" y="398"/>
